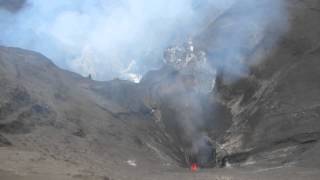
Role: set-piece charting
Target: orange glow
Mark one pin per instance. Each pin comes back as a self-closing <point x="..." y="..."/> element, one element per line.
<point x="194" y="167"/>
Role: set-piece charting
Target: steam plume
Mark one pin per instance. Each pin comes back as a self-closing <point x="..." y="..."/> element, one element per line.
<point x="105" y="37"/>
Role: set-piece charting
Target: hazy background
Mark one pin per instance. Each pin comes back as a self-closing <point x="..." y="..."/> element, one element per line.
<point x="115" y="38"/>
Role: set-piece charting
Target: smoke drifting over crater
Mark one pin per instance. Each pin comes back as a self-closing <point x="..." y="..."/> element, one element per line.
<point x="110" y="38"/>
<point x="12" y="5"/>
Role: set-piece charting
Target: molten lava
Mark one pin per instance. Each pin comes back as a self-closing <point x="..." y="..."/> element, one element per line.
<point x="194" y="167"/>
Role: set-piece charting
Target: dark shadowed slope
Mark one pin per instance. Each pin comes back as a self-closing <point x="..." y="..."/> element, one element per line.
<point x="275" y="110"/>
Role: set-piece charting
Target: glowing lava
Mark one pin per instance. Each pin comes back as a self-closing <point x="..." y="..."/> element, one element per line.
<point x="194" y="167"/>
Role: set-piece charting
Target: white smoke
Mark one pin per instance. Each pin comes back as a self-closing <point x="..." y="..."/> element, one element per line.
<point x="239" y="33"/>
<point x="114" y="32"/>
<point x="102" y="37"/>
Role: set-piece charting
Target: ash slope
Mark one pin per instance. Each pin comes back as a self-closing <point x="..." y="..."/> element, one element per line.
<point x="63" y="117"/>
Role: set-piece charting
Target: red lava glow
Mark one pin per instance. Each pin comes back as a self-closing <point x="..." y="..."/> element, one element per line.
<point x="194" y="167"/>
